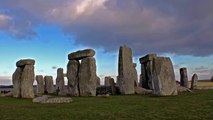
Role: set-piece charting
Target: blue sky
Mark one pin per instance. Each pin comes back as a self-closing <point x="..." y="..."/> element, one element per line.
<point x="49" y="31"/>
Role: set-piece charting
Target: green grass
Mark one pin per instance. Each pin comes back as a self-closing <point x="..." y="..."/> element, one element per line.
<point x="186" y="106"/>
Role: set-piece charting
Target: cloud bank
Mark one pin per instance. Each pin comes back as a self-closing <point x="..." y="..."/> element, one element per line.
<point x="182" y="27"/>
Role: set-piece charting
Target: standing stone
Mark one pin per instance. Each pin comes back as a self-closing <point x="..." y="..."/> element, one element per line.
<point x="163" y="77"/>
<point x="72" y="76"/>
<point x="17" y="82"/>
<point x="27" y="78"/>
<point x="49" y="87"/>
<point x="146" y="70"/>
<point x="212" y="78"/>
<point x="112" y="85"/>
<point x="183" y="77"/>
<point x="126" y="71"/>
<point x="87" y="77"/>
<point x="40" y="85"/>
<point x="194" y="81"/>
<point x="60" y="88"/>
<point x="23" y="62"/>
<point x="81" y="54"/>
<point x="106" y="80"/>
<point x="98" y="80"/>
<point x="135" y="75"/>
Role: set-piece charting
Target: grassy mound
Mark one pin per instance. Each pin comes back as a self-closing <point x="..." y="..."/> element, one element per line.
<point x="186" y="106"/>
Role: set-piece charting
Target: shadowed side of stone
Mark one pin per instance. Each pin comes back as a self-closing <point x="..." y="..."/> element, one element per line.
<point x="24" y="62"/>
<point x="81" y="54"/>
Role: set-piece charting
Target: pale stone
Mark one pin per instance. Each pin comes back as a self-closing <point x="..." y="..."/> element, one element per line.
<point x="87" y="77"/>
<point x="49" y="87"/>
<point x="24" y="62"/>
<point x="183" y="77"/>
<point x="140" y="90"/>
<point x="60" y="87"/>
<point x="81" y="54"/>
<point x="46" y="99"/>
<point x="40" y="85"/>
<point x="163" y="77"/>
<point x="194" y="81"/>
<point x="72" y="76"/>
<point x="17" y="82"/>
<point x="135" y="75"/>
<point x="125" y="71"/>
<point x="27" y="80"/>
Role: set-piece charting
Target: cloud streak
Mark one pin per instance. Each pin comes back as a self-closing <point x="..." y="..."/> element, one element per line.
<point x="163" y="26"/>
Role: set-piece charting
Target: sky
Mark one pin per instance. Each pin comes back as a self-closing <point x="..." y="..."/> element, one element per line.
<point x="49" y="30"/>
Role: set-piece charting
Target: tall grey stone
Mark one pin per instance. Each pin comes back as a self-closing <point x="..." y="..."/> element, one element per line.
<point x="135" y="75"/>
<point x="125" y="71"/>
<point x="194" y="81"/>
<point x="183" y="77"/>
<point x="17" y="82"/>
<point x="87" y="77"/>
<point x="106" y="80"/>
<point x="81" y="54"/>
<point x="146" y="70"/>
<point x="163" y="77"/>
<point x="112" y="85"/>
<point x="27" y="80"/>
<point x="40" y="85"/>
<point x="60" y="87"/>
<point x="98" y="81"/>
<point x="72" y="76"/>
<point x="48" y="82"/>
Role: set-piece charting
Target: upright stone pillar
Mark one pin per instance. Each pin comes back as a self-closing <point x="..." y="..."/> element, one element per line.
<point x="87" y="77"/>
<point x="125" y="71"/>
<point x="135" y="75"/>
<point x="98" y="81"/>
<point x="72" y="76"/>
<point x="106" y="80"/>
<point x="23" y="79"/>
<point x="40" y="85"/>
<point x="60" y="87"/>
<point x="183" y="77"/>
<point x="49" y="87"/>
<point x="194" y="81"/>
<point x="146" y="70"/>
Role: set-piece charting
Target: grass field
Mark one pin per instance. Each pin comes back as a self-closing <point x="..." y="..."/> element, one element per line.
<point x="185" y="106"/>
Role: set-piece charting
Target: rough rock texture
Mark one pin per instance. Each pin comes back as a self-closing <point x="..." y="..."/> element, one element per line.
<point x="17" y="82"/>
<point x="81" y="54"/>
<point x="194" y="81"/>
<point x="24" y="62"/>
<point x="183" y="89"/>
<point x="183" y="77"/>
<point x="106" y="80"/>
<point x="51" y="100"/>
<point x="146" y="71"/>
<point x="125" y="71"/>
<point x="27" y="80"/>
<point x="135" y="75"/>
<point x="163" y="77"/>
<point x="72" y="76"/>
<point x="87" y="77"/>
<point x="40" y="85"/>
<point x="49" y="87"/>
<point x="60" y="87"/>
<point x="140" y="90"/>
<point x="98" y="81"/>
<point x="112" y="85"/>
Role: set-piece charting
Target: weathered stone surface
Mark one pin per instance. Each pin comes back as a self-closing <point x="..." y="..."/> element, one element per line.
<point x="52" y="100"/>
<point x="81" y="54"/>
<point x="27" y="80"/>
<point x="40" y="85"/>
<point x="194" y="81"/>
<point x="24" y="62"/>
<point x="106" y="80"/>
<point x="98" y="80"/>
<point x="125" y="71"/>
<point x="87" y="77"/>
<point x="48" y="83"/>
<point x="146" y="70"/>
<point x="163" y="77"/>
<point x="112" y="85"/>
<point x="183" y="77"/>
<point x="140" y="90"/>
<point x="72" y="76"/>
<point x="135" y="75"/>
<point x="17" y="82"/>
<point x="183" y="89"/>
<point x="148" y="57"/>
<point x="60" y="87"/>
